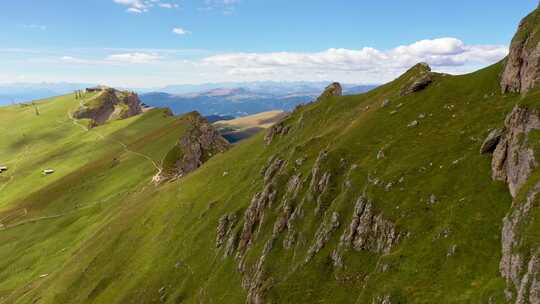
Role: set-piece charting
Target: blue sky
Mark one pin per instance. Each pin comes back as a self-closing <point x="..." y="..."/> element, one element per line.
<point x="142" y="43"/>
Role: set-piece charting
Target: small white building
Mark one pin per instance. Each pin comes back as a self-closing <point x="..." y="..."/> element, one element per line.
<point x="3" y="168"/>
<point x="48" y="171"/>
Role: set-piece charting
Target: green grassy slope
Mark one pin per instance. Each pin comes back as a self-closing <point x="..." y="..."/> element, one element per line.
<point x="157" y="244"/>
<point x="45" y="219"/>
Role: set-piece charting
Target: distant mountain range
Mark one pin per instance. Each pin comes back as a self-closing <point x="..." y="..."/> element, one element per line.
<point x="270" y="87"/>
<point x="21" y="92"/>
<point x="240" y="101"/>
<point x="222" y="99"/>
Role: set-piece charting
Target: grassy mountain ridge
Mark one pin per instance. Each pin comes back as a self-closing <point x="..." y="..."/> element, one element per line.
<point x="160" y="243"/>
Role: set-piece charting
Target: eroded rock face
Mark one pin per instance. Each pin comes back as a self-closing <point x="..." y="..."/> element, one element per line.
<point x="323" y="235"/>
<point x="333" y="89"/>
<point x="370" y="231"/>
<point x="275" y="217"/>
<point x="226" y="224"/>
<point x="522" y="69"/>
<point x="514" y="162"/>
<point x="279" y="129"/>
<point x="199" y="143"/>
<point x="513" y="158"/>
<point x="520" y="268"/>
<point x="420" y="78"/>
<point x="109" y="104"/>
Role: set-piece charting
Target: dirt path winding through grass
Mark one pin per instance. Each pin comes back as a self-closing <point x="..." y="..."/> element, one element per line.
<point x="101" y="136"/>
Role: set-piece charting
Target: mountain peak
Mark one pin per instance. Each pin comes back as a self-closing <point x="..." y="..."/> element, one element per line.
<point x="102" y="104"/>
<point x="334" y="89"/>
<point x="417" y="78"/>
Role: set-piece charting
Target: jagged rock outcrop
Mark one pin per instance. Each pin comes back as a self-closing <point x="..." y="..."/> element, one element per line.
<point x="320" y="179"/>
<point x="198" y="144"/>
<point x="419" y="77"/>
<point x="323" y="234"/>
<point x="108" y="104"/>
<point x="384" y="299"/>
<point x="279" y="201"/>
<point x="491" y="141"/>
<point x="369" y="231"/>
<point x="224" y="229"/>
<point x="522" y="68"/>
<point x="514" y="162"/>
<point x="279" y="129"/>
<point x="334" y="89"/>
<point x="520" y="268"/>
<point x="513" y="158"/>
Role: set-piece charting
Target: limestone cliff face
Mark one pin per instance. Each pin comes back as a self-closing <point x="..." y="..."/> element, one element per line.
<point x="520" y="263"/>
<point x="514" y="162"/>
<point x="199" y="143"/>
<point x="513" y="159"/>
<point x="522" y="69"/>
<point x="108" y="104"/>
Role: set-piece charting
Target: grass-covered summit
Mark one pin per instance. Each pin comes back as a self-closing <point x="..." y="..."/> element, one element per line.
<point x="102" y="104"/>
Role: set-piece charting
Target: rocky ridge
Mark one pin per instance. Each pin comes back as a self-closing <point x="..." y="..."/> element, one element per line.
<point x="199" y="143"/>
<point x="280" y="128"/>
<point x="522" y="68"/>
<point x="108" y="105"/>
<point x="515" y="162"/>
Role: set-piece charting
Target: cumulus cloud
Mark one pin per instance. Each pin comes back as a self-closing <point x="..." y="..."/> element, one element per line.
<point x="143" y="6"/>
<point x="364" y="65"/>
<point x="116" y="59"/>
<point x="180" y="31"/>
<point x="444" y="54"/>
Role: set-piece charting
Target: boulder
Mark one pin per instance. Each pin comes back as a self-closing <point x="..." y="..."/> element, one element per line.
<point x="491" y="141"/>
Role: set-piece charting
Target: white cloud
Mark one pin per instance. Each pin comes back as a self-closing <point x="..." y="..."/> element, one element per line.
<point x="134" y="58"/>
<point x="443" y="54"/>
<point x="116" y="59"/>
<point x="180" y="31"/>
<point x="148" y="67"/>
<point x="143" y="6"/>
<point x="168" y="5"/>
